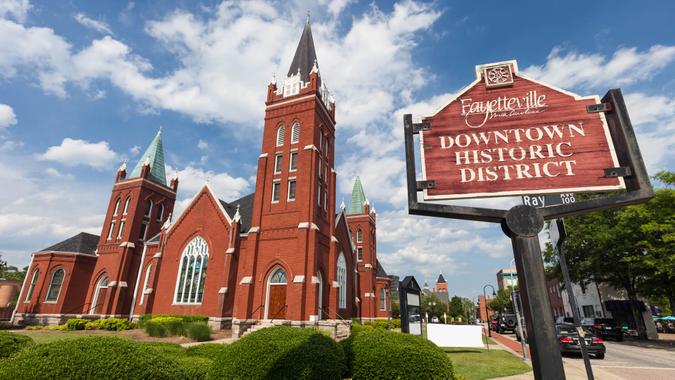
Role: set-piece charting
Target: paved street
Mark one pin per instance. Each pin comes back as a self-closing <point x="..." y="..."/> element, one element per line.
<point x="653" y="360"/>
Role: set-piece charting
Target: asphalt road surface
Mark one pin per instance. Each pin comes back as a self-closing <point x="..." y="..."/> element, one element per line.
<point x="651" y="360"/>
<point x="638" y="360"/>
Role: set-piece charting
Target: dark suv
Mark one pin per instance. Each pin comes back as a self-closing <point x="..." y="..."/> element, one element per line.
<point x="507" y="323"/>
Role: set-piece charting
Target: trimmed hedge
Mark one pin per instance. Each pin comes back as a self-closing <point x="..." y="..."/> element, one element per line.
<point x="164" y="326"/>
<point x="381" y="354"/>
<point x="96" y="357"/>
<point x="76" y="323"/>
<point x="280" y="353"/>
<point x="195" y="366"/>
<point x="11" y="343"/>
<point x="357" y="326"/>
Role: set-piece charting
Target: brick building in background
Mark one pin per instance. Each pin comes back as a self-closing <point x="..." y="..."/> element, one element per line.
<point x="281" y="253"/>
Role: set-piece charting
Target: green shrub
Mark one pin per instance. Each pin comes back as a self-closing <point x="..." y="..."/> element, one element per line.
<point x="198" y="331"/>
<point x="98" y="357"/>
<point x="186" y="318"/>
<point x="76" y="324"/>
<point x="208" y="350"/>
<point x="5" y="326"/>
<point x="110" y="324"/>
<point x="280" y="353"/>
<point x="195" y="360"/>
<point x="381" y="354"/>
<point x="11" y="343"/>
<point x="164" y="326"/>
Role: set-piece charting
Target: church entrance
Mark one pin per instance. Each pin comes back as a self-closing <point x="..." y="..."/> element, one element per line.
<point x="275" y="308"/>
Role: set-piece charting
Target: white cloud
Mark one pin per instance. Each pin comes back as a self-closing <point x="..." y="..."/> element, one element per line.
<point x="18" y="9"/>
<point x="97" y="25"/>
<point x="192" y="179"/>
<point x="202" y="144"/>
<point x="7" y="116"/>
<point x="626" y="66"/>
<point x="653" y="117"/>
<point x="135" y="150"/>
<point x="73" y="152"/>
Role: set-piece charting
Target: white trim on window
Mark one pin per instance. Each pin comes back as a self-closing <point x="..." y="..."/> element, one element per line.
<point x="110" y="231"/>
<point x="126" y="205"/>
<point x="292" y="189"/>
<point x="31" y="286"/>
<point x="145" y="284"/>
<point x="278" y="163"/>
<point x="295" y="133"/>
<point x="342" y="281"/>
<point x="293" y="159"/>
<point x="117" y="206"/>
<point x="52" y="284"/>
<point x="276" y="191"/>
<point x="102" y="283"/>
<point x="121" y="229"/>
<point x="191" y="276"/>
<point x="281" y="131"/>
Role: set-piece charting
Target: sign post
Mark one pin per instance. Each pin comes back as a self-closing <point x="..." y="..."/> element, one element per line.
<point x="508" y="135"/>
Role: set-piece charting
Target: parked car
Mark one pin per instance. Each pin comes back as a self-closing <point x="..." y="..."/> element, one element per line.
<point x="507" y="323"/>
<point x="434" y="320"/>
<point x="568" y="339"/>
<point x="607" y="328"/>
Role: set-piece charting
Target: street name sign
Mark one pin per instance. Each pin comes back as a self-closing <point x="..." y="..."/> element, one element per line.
<point x="506" y="134"/>
<point x="546" y="200"/>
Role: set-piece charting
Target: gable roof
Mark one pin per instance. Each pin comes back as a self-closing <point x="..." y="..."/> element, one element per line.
<point x="155" y="156"/>
<point x="245" y="210"/>
<point x="305" y="55"/>
<point x="80" y="243"/>
<point x="358" y="199"/>
<point x="380" y="270"/>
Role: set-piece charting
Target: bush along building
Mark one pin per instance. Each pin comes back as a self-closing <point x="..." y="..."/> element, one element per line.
<point x="281" y="255"/>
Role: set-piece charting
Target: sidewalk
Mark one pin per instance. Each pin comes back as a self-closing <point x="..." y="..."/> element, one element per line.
<point x="574" y="368"/>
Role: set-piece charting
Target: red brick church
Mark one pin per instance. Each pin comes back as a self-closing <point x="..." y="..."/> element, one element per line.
<point x="283" y="253"/>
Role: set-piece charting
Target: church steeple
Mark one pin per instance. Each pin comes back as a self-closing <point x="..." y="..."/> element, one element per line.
<point x="154" y="157"/>
<point x="305" y="55"/>
<point x="357" y="204"/>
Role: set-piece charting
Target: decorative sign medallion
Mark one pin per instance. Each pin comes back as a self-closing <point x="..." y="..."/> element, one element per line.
<point x="498" y="75"/>
<point x="506" y="134"/>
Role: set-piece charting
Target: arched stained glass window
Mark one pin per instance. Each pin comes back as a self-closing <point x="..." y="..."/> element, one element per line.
<point x="55" y="285"/>
<point x="342" y="281"/>
<point x="192" y="273"/>
<point x="278" y="277"/>
<point x="33" y="282"/>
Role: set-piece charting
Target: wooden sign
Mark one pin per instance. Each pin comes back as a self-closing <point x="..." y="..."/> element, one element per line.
<point x="506" y="134"/>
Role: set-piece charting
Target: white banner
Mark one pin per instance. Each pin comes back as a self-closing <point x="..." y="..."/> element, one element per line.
<point x="455" y="335"/>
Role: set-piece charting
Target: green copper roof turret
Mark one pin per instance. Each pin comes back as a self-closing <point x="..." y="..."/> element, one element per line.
<point x="358" y="199"/>
<point x="155" y="156"/>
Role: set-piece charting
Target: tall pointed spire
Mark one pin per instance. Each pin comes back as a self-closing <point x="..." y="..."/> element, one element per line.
<point x="358" y="199"/>
<point x="153" y="156"/>
<point x="305" y="55"/>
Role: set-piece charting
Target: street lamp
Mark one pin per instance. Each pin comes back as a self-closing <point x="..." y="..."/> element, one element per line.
<point x="487" y="314"/>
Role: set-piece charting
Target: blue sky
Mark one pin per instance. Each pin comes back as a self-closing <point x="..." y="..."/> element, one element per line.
<point x="85" y="85"/>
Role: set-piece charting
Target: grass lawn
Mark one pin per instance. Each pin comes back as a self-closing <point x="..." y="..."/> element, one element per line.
<point x="477" y="363"/>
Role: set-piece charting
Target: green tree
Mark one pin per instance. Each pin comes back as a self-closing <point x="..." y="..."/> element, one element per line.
<point x="502" y="302"/>
<point x="433" y="306"/>
<point x="456" y="308"/>
<point x="628" y="248"/>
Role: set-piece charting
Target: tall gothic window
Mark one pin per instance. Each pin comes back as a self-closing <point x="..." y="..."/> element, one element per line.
<point x="280" y="135"/>
<point x="383" y="300"/>
<point x="160" y="212"/>
<point x="342" y="281"/>
<point x="148" y="208"/>
<point x="295" y="133"/>
<point x="117" y="207"/>
<point x="359" y="235"/>
<point x="126" y="205"/>
<point x="55" y="285"/>
<point x="192" y="273"/>
<point x="33" y="282"/>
